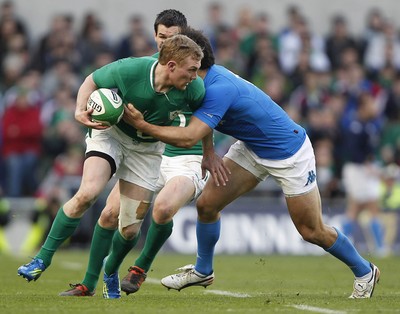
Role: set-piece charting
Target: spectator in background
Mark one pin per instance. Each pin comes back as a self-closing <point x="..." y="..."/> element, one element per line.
<point x="323" y="149"/>
<point x="22" y="139"/>
<point x="14" y="50"/>
<point x="60" y="42"/>
<point x="275" y="87"/>
<point x="102" y="58"/>
<point x="361" y="175"/>
<point x="61" y="130"/>
<point x="60" y="75"/>
<point x="390" y="204"/>
<point x="374" y="27"/>
<point x="353" y="82"/>
<point x="259" y="45"/>
<point x="310" y="95"/>
<point x="289" y="42"/>
<point x="10" y="25"/>
<point x="128" y="46"/>
<point x="244" y="24"/>
<point x="382" y="49"/>
<point x="300" y="39"/>
<point x="215" y="24"/>
<point x="93" y="39"/>
<point x="29" y="81"/>
<point x="7" y="12"/>
<point x="338" y="40"/>
<point x="390" y="143"/>
<point x="227" y="52"/>
<point x="349" y="56"/>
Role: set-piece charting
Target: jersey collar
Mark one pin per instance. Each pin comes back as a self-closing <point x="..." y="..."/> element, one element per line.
<point x="152" y="74"/>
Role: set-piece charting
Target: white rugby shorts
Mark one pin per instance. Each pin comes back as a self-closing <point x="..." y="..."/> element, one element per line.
<point x="137" y="163"/>
<point x="185" y="165"/>
<point x="296" y="175"/>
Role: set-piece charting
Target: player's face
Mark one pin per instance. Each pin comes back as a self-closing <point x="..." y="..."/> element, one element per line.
<point x="163" y="33"/>
<point x="182" y="74"/>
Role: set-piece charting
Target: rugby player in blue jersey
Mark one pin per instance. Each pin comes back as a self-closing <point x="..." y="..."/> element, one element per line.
<point x="269" y="144"/>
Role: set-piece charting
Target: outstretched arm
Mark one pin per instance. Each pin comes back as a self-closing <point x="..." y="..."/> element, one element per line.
<point x="184" y="137"/>
<point x="181" y="137"/>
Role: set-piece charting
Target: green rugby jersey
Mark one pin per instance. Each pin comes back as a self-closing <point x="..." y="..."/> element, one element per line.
<point x="134" y="78"/>
<point x="182" y="120"/>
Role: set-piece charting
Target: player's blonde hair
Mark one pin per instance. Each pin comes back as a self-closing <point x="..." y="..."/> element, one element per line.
<point x="178" y="48"/>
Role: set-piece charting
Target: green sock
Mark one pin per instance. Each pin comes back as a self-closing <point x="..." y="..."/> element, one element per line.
<point x="62" y="228"/>
<point x="99" y="249"/>
<point x="120" y="249"/>
<point x="155" y="239"/>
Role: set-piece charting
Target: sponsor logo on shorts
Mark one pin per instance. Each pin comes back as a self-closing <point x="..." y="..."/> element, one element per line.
<point x="311" y="177"/>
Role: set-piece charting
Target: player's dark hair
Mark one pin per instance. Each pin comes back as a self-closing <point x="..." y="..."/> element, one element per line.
<point x="170" y="18"/>
<point x="199" y="38"/>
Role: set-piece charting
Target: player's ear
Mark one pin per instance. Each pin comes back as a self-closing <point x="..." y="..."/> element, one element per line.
<point x="171" y="65"/>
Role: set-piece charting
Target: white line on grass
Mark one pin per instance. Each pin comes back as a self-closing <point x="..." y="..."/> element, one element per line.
<point x="229" y="294"/>
<point x="316" y="309"/>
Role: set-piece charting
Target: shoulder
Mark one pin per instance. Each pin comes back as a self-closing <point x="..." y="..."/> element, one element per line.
<point x="197" y="84"/>
<point x="132" y="61"/>
<point x="196" y="88"/>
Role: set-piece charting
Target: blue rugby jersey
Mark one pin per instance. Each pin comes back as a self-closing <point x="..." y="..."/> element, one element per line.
<point x="238" y="108"/>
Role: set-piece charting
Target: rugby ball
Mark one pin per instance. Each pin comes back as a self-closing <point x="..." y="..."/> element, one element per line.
<point x="107" y="106"/>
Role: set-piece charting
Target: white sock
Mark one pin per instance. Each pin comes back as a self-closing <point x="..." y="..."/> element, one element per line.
<point x="365" y="277"/>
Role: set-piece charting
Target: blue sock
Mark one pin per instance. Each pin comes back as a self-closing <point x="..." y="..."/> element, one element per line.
<point x="345" y="251"/>
<point x="377" y="232"/>
<point x="207" y="237"/>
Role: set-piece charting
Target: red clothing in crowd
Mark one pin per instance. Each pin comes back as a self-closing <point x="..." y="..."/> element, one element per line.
<point x="21" y="129"/>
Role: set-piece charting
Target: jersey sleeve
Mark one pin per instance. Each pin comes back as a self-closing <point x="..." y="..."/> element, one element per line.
<point x="215" y="104"/>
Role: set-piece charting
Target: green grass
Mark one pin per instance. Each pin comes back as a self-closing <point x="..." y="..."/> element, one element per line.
<point x="250" y="284"/>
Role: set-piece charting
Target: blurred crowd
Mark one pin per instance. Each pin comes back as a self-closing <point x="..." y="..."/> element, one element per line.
<point x="343" y="88"/>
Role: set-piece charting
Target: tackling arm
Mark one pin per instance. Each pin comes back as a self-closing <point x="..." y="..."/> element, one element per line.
<point x="184" y="137"/>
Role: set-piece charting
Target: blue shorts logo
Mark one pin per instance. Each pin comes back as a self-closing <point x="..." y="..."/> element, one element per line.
<point x="311" y="177"/>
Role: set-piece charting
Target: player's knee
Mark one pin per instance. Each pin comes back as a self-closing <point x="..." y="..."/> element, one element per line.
<point x="311" y="234"/>
<point x="132" y="213"/>
<point x="131" y="231"/>
<point x="80" y="203"/>
<point x="109" y="217"/>
<point x="205" y="212"/>
<point x="84" y="200"/>
<point x="162" y="212"/>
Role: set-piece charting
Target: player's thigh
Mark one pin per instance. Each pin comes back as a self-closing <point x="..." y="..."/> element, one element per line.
<point x="305" y="210"/>
<point x="217" y="197"/>
<point x="134" y="191"/>
<point x="177" y="192"/>
<point x="96" y="174"/>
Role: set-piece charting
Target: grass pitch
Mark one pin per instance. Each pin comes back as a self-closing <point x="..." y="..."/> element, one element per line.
<point x="243" y="284"/>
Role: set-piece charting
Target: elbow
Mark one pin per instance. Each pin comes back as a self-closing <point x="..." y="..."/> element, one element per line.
<point x="187" y="143"/>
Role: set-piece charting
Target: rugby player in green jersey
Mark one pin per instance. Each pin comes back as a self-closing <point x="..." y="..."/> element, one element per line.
<point x="163" y="89"/>
<point x="180" y="171"/>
